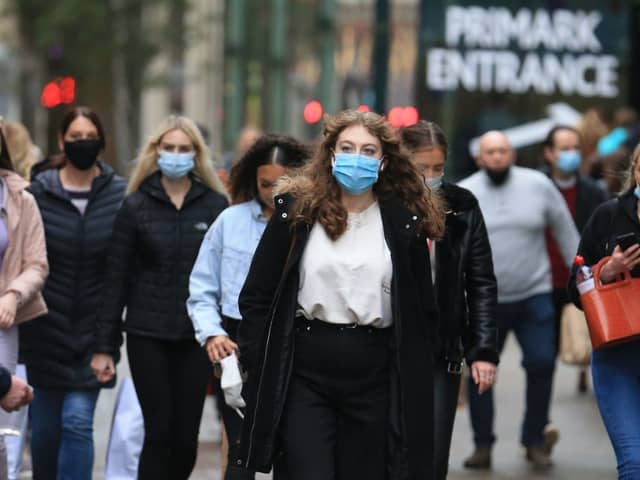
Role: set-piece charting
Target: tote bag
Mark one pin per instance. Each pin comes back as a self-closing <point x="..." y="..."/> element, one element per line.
<point x="612" y="310"/>
<point x="575" y="344"/>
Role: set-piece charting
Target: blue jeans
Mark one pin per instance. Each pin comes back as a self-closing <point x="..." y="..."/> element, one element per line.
<point x="62" y="433"/>
<point x="532" y="321"/>
<point x="616" y="381"/>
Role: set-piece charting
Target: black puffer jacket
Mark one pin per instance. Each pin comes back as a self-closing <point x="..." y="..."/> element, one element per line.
<point x="155" y="246"/>
<point x="465" y="282"/>
<point x="57" y="346"/>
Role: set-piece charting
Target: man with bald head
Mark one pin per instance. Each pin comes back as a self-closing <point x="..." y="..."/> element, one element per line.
<point x="518" y="205"/>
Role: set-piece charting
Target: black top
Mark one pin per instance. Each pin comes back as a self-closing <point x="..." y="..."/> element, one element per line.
<point x="57" y="346"/>
<point x="155" y="246"/>
<point x="612" y="218"/>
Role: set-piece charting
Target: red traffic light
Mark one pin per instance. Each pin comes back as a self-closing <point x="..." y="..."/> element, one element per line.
<point x="60" y="91"/>
<point x="403" y="116"/>
<point x="312" y="112"/>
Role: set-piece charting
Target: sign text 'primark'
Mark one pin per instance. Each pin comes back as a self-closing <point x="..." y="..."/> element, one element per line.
<point x="495" y="50"/>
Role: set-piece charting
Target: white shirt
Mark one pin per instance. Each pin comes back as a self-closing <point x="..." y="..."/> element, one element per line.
<point x="348" y="280"/>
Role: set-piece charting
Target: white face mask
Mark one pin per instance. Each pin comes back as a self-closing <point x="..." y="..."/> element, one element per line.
<point x="231" y="383"/>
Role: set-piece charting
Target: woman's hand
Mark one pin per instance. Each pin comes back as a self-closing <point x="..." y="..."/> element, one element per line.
<point x="484" y="375"/>
<point x="103" y="367"/>
<point x="8" y="308"/>
<point x="619" y="262"/>
<point x="220" y="347"/>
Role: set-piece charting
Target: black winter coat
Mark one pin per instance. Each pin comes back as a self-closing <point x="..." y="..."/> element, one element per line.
<point x="613" y="218"/>
<point x="57" y="346"/>
<point x="268" y="303"/>
<point x="154" y="248"/>
<point x="465" y="283"/>
<point x="588" y="198"/>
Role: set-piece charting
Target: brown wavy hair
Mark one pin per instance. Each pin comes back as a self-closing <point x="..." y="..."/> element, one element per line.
<point x="318" y="195"/>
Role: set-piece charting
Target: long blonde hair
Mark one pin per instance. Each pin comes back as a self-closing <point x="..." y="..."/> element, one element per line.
<point x="147" y="161"/>
<point x="631" y="178"/>
<point x="317" y="194"/>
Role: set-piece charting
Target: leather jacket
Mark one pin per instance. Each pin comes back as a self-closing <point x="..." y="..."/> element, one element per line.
<point x="465" y="283"/>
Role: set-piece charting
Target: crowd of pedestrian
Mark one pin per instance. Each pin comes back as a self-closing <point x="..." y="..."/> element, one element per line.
<point x="343" y="287"/>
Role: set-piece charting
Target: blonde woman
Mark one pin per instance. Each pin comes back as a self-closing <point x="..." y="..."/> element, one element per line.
<point x="174" y="196"/>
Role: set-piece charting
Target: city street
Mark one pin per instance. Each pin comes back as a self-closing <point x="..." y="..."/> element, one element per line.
<point x="583" y="453"/>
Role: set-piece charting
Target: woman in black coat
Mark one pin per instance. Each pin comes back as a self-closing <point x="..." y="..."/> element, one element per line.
<point x="339" y="318"/>
<point x="616" y="369"/>
<point x="465" y="285"/>
<point x="174" y="196"/>
<point x="78" y="203"/>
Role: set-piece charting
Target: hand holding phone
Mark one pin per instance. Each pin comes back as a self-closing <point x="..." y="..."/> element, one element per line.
<point x="627" y="240"/>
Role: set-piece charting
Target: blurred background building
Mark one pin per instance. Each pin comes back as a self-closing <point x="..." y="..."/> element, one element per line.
<point x="280" y="64"/>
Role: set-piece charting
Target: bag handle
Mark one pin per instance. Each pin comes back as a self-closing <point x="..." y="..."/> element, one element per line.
<point x="623" y="278"/>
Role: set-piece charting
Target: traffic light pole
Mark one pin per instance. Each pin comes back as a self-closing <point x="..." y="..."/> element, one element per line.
<point x="381" y="45"/>
<point x="278" y="64"/>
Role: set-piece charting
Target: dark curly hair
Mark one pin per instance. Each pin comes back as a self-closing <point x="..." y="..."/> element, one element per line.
<point x="318" y="196"/>
<point x="269" y="149"/>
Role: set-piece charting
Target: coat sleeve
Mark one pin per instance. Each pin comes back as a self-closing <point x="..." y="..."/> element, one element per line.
<point x="108" y="335"/>
<point x="482" y="293"/>
<point x="35" y="266"/>
<point x="260" y="288"/>
<point x="205" y="285"/>
<point x="5" y="381"/>
<point x="592" y="245"/>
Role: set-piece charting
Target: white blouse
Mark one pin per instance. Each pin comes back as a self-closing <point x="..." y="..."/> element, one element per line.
<point x="348" y="280"/>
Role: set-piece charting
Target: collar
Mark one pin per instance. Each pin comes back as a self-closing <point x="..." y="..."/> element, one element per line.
<point x="256" y="210"/>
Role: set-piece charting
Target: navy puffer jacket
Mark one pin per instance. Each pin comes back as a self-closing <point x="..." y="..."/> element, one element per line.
<point x="57" y="347"/>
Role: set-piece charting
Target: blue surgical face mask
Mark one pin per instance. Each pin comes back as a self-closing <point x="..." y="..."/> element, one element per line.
<point x="176" y="165"/>
<point x="636" y="191"/>
<point x="354" y="172"/>
<point x="433" y="183"/>
<point x="569" y="161"/>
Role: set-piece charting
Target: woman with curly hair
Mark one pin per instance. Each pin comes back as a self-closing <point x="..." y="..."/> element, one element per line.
<point x="339" y="317"/>
<point x="225" y="256"/>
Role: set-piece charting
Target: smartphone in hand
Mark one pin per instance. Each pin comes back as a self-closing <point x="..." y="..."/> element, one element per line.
<point x="627" y="240"/>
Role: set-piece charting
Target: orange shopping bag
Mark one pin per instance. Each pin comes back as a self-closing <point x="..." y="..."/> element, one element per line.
<point x="612" y="310"/>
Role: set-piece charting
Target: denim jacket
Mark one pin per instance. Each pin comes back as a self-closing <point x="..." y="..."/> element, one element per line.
<point x="222" y="267"/>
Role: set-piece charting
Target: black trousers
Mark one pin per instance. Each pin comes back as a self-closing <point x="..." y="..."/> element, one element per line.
<point x="336" y="417"/>
<point x="170" y="378"/>
<point x="231" y="420"/>
<point x="446" y="387"/>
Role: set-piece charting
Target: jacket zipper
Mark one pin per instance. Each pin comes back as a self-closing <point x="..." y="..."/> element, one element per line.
<point x="264" y="361"/>
<point x="276" y="298"/>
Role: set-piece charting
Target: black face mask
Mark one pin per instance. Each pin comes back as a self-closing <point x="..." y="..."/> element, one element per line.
<point x="498" y="177"/>
<point x="83" y="153"/>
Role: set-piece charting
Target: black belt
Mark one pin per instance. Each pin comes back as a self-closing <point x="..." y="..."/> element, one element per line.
<point x="302" y="322"/>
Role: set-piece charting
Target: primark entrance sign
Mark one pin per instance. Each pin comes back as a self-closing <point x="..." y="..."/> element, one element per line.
<point x="523" y="51"/>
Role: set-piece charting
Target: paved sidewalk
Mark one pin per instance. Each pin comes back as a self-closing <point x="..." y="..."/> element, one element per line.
<point x="583" y="453"/>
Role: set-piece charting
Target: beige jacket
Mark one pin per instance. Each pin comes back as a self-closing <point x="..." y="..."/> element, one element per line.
<point x="25" y="266"/>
